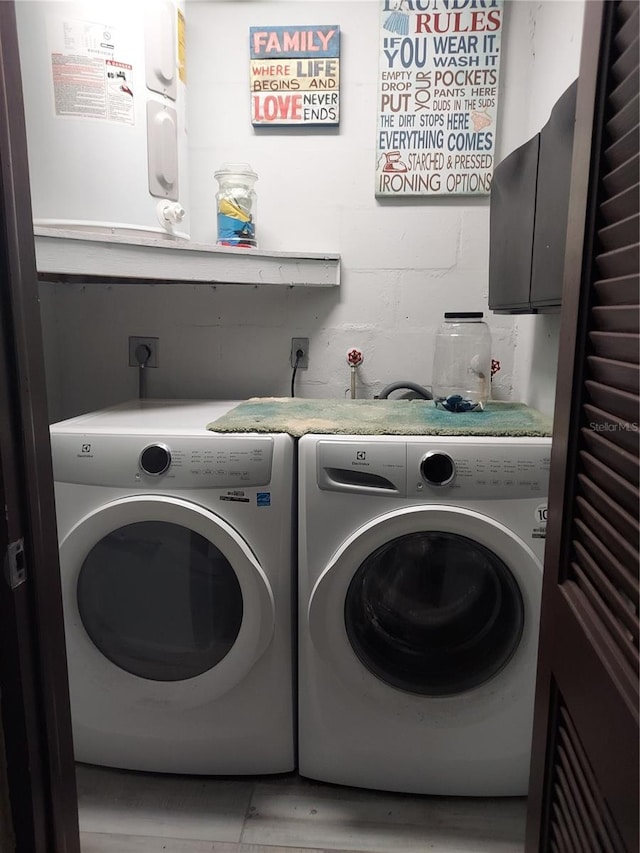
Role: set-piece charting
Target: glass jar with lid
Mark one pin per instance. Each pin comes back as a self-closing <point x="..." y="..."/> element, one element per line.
<point x="461" y="380"/>
<point x="236" y="203"/>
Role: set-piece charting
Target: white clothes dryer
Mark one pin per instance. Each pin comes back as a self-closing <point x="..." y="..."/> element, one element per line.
<point x="176" y="564"/>
<point x="420" y="575"/>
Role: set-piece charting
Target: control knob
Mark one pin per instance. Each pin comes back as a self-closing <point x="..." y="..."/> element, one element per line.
<point x="437" y="469"/>
<point x="155" y="459"/>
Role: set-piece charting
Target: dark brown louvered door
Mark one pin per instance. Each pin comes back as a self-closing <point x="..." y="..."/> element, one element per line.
<point x="584" y="777"/>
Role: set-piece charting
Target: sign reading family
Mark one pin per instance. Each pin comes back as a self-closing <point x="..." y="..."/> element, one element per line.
<point x="295" y="75"/>
<point x="438" y="96"/>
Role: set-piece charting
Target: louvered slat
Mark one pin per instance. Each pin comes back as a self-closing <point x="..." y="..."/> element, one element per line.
<point x="620" y="403"/>
<point x="626" y="62"/>
<point x="624" y="91"/>
<point x="613" y="512"/>
<point x="602" y="440"/>
<point x="610" y="538"/>
<point x="619" y="605"/>
<point x="625" y="120"/>
<point x="603" y="826"/>
<point x="570" y="777"/>
<point x="623" y="177"/>
<point x="581" y="818"/>
<point x="620" y="206"/>
<point x="619" y="437"/>
<point x="627" y="35"/>
<point x="620" y="262"/>
<point x="616" y="345"/>
<point x="618" y="291"/>
<point x="619" y="373"/>
<point x="567" y="779"/>
<point x="562" y="839"/>
<point x="595" y="825"/>
<point x="616" y="318"/>
<point x="622" y="640"/>
<point x="624" y="492"/>
<point x="611" y="567"/>
<point x="625" y="147"/>
<point x="568" y="795"/>
<point x="568" y="819"/>
<point x="626" y="8"/>
<point x="621" y="233"/>
<point x="621" y="579"/>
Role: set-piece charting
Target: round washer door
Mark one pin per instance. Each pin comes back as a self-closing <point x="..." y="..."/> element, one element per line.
<point x="162" y="600"/>
<point x="432" y="601"/>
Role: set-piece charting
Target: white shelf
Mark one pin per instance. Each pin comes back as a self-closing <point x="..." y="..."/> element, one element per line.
<point x="78" y="256"/>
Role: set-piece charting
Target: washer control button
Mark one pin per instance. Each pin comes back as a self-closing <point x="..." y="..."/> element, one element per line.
<point x="438" y="469"/>
<point x="155" y="459"/>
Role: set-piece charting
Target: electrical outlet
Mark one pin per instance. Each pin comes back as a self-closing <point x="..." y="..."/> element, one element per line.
<point x="300" y="344"/>
<point x="137" y="358"/>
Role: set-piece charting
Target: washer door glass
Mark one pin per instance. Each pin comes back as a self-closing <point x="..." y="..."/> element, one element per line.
<point x="433" y="613"/>
<point x="159" y="600"/>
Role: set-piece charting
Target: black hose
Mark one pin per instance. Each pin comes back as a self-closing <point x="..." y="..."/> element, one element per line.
<point x="299" y="354"/>
<point x="143" y="354"/>
<point x="405" y="383"/>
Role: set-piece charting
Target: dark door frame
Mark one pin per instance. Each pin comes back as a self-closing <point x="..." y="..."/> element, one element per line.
<point x="33" y="669"/>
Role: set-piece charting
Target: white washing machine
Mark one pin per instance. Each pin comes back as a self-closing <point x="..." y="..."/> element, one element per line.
<point x="176" y="562"/>
<point x="420" y="575"/>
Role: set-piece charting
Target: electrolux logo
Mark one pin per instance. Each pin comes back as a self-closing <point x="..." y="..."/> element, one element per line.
<point x="361" y="458"/>
<point x="85" y="452"/>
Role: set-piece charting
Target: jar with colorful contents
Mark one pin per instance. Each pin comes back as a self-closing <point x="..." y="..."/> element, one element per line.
<point x="236" y="203"/>
<point x="461" y="380"/>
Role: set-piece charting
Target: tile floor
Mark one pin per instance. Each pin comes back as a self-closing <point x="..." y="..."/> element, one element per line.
<point x="126" y="812"/>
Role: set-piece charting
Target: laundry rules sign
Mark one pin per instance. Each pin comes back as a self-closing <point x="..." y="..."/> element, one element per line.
<point x="437" y="96"/>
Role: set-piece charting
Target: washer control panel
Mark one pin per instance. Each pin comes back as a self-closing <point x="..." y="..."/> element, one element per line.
<point x="494" y="469"/>
<point x="183" y="462"/>
<point x="436" y="468"/>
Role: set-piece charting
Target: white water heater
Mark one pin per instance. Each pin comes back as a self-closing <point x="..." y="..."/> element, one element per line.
<point x="104" y="85"/>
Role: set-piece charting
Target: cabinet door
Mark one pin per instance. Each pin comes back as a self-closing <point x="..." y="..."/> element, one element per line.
<point x="511" y="221"/>
<point x="552" y="202"/>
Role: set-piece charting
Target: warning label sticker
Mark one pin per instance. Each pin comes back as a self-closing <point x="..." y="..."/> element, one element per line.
<point x="88" y="80"/>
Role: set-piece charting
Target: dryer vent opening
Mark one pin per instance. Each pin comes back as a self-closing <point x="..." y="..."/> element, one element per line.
<point x="434" y="613"/>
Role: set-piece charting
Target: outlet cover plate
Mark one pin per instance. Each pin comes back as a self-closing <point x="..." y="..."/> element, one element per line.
<point x="303" y="344"/>
<point x="152" y="343"/>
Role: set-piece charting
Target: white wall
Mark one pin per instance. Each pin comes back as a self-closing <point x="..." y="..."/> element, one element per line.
<point x="404" y="262"/>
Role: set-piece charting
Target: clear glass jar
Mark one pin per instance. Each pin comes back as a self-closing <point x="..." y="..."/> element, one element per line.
<point x="236" y="205"/>
<point x="461" y="380"/>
